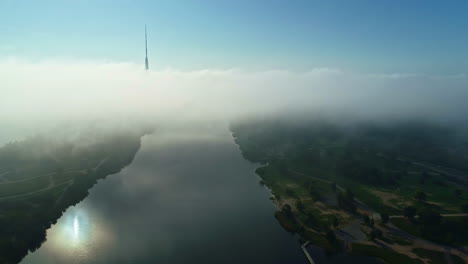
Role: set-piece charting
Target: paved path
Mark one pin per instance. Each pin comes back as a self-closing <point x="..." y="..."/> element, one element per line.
<point x="443" y="215"/>
<point x="304" y="248"/>
<point x="51" y="185"/>
<point x="31" y="193"/>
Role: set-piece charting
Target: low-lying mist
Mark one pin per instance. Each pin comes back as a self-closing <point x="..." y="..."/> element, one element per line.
<point x="33" y="94"/>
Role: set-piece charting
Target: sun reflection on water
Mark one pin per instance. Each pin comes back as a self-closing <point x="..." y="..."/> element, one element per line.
<point x="76" y="227"/>
<point x="80" y="232"/>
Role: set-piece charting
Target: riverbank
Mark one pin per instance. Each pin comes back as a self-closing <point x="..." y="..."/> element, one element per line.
<point x="324" y="181"/>
<point x="44" y="176"/>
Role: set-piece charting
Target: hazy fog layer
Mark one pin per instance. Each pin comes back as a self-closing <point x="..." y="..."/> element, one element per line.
<point x="34" y="92"/>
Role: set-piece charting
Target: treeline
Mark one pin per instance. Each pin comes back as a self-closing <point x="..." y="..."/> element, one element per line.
<point x="429" y="224"/>
<point x="352" y="150"/>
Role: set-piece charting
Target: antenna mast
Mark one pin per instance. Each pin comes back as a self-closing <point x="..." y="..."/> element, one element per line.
<point x="146" y="51"/>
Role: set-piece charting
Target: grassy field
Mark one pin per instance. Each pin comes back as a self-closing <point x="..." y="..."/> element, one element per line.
<point x="66" y="176"/>
<point x="386" y="255"/>
<point x="22" y="187"/>
<point x="452" y="230"/>
<point x="436" y="257"/>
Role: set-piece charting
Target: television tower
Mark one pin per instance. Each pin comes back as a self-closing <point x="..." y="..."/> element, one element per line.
<point x="146" y="51"/>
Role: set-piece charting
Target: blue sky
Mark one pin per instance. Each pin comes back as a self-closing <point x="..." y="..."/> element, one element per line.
<point x="385" y="36"/>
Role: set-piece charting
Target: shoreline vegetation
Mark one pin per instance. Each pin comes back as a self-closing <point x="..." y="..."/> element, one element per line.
<point x="42" y="176"/>
<point x="348" y="188"/>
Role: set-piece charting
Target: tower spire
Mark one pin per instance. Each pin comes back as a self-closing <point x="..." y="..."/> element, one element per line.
<point x="146" y="51"/>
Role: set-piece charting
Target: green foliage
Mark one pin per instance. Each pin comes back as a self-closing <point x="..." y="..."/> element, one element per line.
<point x="450" y="230"/>
<point x="346" y="201"/>
<point x="420" y="196"/>
<point x="24" y="186"/>
<point x="50" y="177"/>
<point x="385" y="218"/>
<point x="287" y="219"/>
<point x="335" y="222"/>
<point x="399" y="158"/>
<point x="409" y="212"/>
<point x="375" y="234"/>
<point x="436" y="257"/>
<point x="464" y="208"/>
<point x="300" y="206"/>
<point x="386" y="255"/>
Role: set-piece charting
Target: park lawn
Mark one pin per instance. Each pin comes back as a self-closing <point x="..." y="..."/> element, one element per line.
<point x="22" y="187"/>
<point x="291" y="188"/>
<point x="453" y="230"/>
<point x="439" y="191"/>
<point x="66" y="176"/>
<point x="362" y="192"/>
<point x="287" y="184"/>
<point x="386" y="255"/>
<point x="436" y="257"/>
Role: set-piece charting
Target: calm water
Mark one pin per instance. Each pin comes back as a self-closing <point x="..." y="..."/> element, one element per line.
<point x="189" y="196"/>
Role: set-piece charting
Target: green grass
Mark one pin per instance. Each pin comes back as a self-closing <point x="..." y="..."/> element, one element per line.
<point x="436" y="257"/>
<point x="286" y="222"/>
<point x="398" y="240"/>
<point x="452" y="230"/>
<point x="386" y="255"/>
<point x="363" y="194"/>
<point x="438" y="190"/>
<point x="22" y="187"/>
<point x="65" y="176"/>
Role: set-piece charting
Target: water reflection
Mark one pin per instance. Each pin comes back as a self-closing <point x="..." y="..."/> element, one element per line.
<point x="76" y="238"/>
<point x="75" y="228"/>
<point x="74" y="231"/>
<point x="189" y="196"/>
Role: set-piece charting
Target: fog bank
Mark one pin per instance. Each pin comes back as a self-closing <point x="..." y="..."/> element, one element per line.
<point x="63" y="90"/>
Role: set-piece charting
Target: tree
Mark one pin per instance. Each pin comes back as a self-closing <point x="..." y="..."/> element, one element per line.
<point x="409" y="212"/>
<point x="458" y="193"/>
<point x="385" y="218"/>
<point x="425" y="175"/>
<point x="367" y="220"/>
<point x="375" y="233"/>
<point x="335" y="222"/>
<point x="300" y="206"/>
<point x="331" y="237"/>
<point x="290" y="192"/>
<point x="464" y="208"/>
<point x="287" y="210"/>
<point x="420" y="196"/>
<point x="345" y="202"/>
<point x="430" y="218"/>
<point x="349" y="195"/>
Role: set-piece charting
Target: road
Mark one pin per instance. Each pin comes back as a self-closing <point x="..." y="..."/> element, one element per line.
<point x="443" y="215"/>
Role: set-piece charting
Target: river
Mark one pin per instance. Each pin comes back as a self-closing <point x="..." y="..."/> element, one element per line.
<point x="188" y="197"/>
